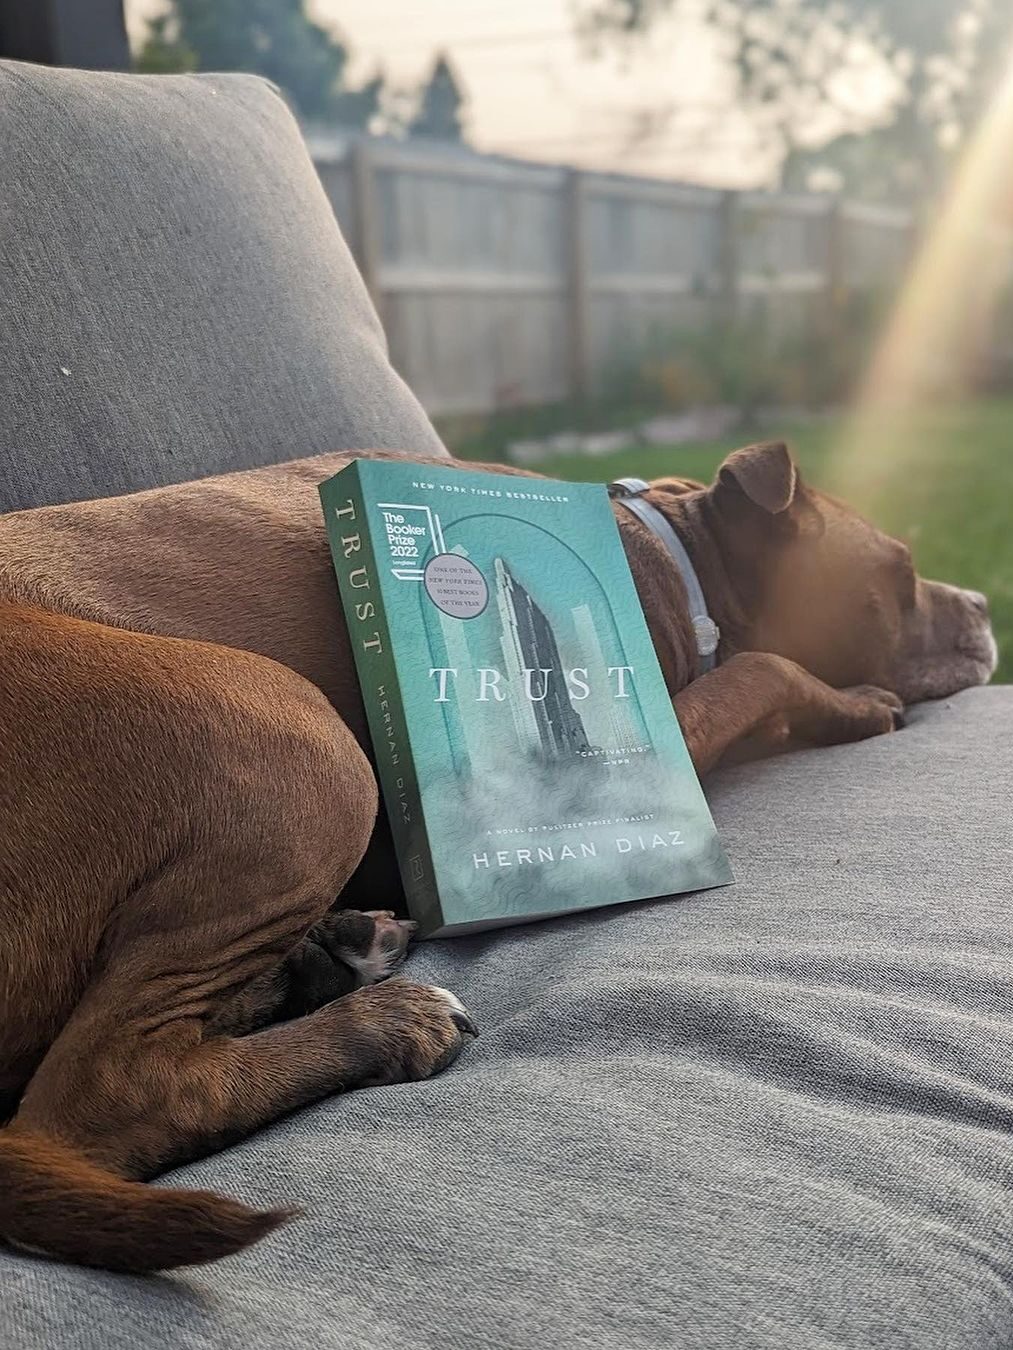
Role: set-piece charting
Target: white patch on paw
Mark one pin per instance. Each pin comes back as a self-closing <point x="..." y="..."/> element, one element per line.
<point x="373" y="967"/>
<point x="450" y="998"/>
<point x="381" y="960"/>
<point x="28" y="1248"/>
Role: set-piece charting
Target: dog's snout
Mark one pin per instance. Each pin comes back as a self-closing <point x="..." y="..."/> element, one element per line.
<point x="979" y="601"/>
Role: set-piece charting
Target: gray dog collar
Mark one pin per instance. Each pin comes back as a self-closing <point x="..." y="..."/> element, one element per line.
<point x="629" y="491"/>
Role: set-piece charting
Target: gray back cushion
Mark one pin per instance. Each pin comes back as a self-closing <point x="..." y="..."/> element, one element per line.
<point x="177" y="299"/>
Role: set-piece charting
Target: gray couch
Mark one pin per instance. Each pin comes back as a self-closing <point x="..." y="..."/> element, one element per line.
<point x="774" y="1116"/>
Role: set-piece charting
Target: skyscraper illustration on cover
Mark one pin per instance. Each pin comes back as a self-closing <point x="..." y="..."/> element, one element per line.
<point x="549" y="770"/>
<point x="547" y="725"/>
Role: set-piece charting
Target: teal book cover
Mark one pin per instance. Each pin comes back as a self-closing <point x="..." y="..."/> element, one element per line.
<point x="530" y="760"/>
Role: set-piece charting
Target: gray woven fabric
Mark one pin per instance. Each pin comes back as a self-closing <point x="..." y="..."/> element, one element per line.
<point x="776" y="1115"/>
<point x="176" y="297"/>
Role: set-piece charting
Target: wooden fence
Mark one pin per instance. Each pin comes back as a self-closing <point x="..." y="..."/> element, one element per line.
<point x="502" y="283"/>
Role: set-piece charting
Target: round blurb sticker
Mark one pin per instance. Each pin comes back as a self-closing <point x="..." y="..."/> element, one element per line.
<point x="455" y="586"/>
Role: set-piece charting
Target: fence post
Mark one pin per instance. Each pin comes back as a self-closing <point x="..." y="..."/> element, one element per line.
<point x="836" y="256"/>
<point x="834" y="321"/>
<point x="577" y="291"/>
<point x="915" y="231"/>
<point x="728" y="258"/>
<point x="366" y="216"/>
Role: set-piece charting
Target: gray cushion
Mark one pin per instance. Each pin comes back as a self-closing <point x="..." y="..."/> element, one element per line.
<point x="176" y="296"/>
<point x="775" y="1116"/>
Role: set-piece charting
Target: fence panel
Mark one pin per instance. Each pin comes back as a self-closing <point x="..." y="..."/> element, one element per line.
<point x="653" y="263"/>
<point x="502" y="283"/>
<point x="877" y="243"/>
<point x="472" y="278"/>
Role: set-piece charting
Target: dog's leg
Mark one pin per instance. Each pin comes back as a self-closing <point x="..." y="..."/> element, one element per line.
<point x="139" y="1078"/>
<point x="757" y="694"/>
<point x="344" y="951"/>
<point x="137" y="1104"/>
<point x="221" y="804"/>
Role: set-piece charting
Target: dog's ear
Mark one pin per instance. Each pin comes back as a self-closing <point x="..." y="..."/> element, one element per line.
<point x="766" y="474"/>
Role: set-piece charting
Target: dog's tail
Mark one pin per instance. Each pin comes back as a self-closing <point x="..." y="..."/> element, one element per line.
<point x="54" y="1202"/>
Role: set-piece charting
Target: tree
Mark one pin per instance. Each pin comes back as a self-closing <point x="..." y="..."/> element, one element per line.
<point x="164" y="53"/>
<point x="440" y="111"/>
<point x="935" y="64"/>
<point x="273" y="38"/>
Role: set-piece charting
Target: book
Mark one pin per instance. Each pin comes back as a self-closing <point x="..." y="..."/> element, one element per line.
<point x="528" y="754"/>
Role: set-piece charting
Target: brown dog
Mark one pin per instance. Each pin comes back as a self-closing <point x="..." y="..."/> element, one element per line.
<point x="178" y="817"/>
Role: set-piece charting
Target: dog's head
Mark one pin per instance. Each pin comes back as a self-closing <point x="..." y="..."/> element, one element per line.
<point x="815" y="582"/>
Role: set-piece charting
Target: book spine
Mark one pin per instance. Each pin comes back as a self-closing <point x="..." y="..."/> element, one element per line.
<point x="369" y="631"/>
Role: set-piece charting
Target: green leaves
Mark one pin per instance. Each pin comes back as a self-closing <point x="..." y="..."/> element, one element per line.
<point x="273" y="38"/>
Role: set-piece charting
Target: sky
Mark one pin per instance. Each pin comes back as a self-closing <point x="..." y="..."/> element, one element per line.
<point x="662" y="106"/>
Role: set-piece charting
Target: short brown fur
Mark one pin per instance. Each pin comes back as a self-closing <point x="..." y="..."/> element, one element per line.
<point x="179" y="814"/>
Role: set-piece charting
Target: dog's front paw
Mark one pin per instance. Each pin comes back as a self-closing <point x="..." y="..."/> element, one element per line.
<point x="413" y="1030"/>
<point x="841" y="715"/>
<point x="856" y="714"/>
<point x="879" y="709"/>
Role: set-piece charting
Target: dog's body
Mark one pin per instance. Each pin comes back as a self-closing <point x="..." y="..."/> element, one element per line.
<point x="183" y="813"/>
<point x="242" y="561"/>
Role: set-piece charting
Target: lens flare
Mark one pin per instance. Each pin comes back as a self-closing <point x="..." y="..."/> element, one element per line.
<point x="936" y="339"/>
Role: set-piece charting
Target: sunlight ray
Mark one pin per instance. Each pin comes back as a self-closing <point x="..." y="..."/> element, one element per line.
<point x="934" y="340"/>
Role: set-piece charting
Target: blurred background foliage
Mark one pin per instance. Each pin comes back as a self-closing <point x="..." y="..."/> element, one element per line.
<point x="308" y="61"/>
<point x="941" y="60"/>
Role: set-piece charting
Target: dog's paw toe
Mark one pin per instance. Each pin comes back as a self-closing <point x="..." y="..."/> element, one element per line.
<point x="875" y="710"/>
<point x="459" y="1014"/>
<point x="416" y="1030"/>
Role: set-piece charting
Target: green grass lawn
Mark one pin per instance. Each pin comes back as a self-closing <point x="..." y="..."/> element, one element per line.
<point x="942" y="479"/>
